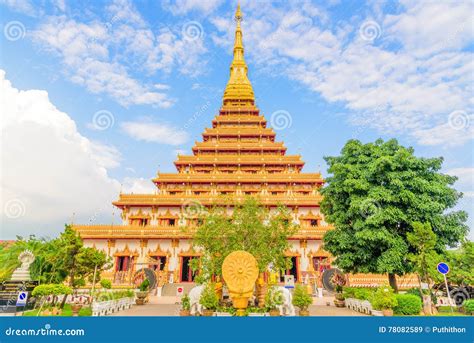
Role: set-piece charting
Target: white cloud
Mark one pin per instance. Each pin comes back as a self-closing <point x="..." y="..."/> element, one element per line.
<point x="138" y="186"/>
<point x="124" y="10"/>
<point x="22" y="6"/>
<point x="407" y="81"/>
<point x="465" y="180"/>
<point x="427" y="28"/>
<point x="100" y="55"/>
<point x="155" y="132"/>
<point x="85" y="54"/>
<point x="179" y="7"/>
<point x="48" y="168"/>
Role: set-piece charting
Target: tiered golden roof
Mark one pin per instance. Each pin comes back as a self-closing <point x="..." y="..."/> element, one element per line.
<point x="238" y="156"/>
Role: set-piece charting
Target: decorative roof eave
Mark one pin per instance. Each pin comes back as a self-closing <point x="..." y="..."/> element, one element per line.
<point x="310" y="215"/>
<point x="215" y="178"/>
<point x="156" y="232"/>
<point x="206" y="200"/>
<point x="168" y="215"/>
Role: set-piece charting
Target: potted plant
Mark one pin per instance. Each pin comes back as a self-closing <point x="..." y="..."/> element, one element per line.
<point x="273" y="299"/>
<point x="209" y="300"/>
<point x="302" y="300"/>
<point x="143" y="293"/>
<point x="384" y="300"/>
<point x="185" y="306"/>
<point x="339" y="297"/>
<point x="76" y="307"/>
<point x="339" y="280"/>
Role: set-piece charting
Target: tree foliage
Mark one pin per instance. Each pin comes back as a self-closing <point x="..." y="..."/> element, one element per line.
<point x="461" y="264"/>
<point x="425" y="258"/>
<point x="251" y="228"/>
<point x="375" y="193"/>
<point x="55" y="260"/>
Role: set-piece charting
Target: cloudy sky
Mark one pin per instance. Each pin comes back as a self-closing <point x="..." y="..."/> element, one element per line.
<point x="96" y="97"/>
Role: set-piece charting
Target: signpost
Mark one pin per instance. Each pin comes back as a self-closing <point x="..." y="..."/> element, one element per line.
<point x="443" y="268"/>
<point x="21" y="300"/>
<point x="289" y="281"/>
<point x="179" y="291"/>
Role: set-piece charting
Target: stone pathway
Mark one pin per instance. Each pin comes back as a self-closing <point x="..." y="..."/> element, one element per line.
<point x="166" y="306"/>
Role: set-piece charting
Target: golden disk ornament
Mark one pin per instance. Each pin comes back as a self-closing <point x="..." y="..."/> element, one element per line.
<point x="240" y="271"/>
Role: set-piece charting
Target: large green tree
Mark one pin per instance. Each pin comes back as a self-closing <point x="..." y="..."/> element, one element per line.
<point x="375" y="193"/>
<point x="250" y="227"/>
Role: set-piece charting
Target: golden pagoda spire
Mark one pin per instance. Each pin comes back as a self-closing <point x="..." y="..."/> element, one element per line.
<point x="238" y="91"/>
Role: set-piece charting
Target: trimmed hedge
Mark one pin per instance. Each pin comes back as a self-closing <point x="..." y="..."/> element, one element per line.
<point x="408" y="304"/>
<point x="469" y="306"/>
<point x="51" y="289"/>
<point x="360" y="293"/>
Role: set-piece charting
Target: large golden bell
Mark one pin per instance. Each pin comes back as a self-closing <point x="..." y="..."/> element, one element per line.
<point x="240" y="271"/>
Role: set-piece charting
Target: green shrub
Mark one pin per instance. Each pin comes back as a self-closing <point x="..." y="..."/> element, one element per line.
<point x="407" y="304"/>
<point x="384" y="298"/>
<point x="348" y="292"/>
<point x="301" y="298"/>
<point x="106" y="283"/>
<point x="51" y="289"/>
<point x="209" y="298"/>
<point x="469" y="306"/>
<point x="78" y="283"/>
<point x="185" y="302"/>
<point x="414" y="291"/>
<point x="144" y="285"/>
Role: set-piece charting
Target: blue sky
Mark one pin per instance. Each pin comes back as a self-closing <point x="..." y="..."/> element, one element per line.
<point x="97" y="96"/>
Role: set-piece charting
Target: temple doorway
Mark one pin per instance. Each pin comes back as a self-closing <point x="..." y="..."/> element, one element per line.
<point x="291" y="271"/>
<point x="187" y="274"/>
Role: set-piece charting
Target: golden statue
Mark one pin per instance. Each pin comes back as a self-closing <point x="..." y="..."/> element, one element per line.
<point x="240" y="272"/>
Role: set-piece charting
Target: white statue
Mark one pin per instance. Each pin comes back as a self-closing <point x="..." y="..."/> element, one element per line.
<point x="194" y="296"/>
<point x="22" y="273"/>
<point x="287" y="308"/>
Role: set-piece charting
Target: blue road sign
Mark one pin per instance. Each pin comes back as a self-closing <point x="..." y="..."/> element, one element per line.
<point x="443" y="268"/>
<point x="21" y="300"/>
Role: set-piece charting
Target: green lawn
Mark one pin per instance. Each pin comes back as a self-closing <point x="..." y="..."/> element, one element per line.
<point x="67" y="312"/>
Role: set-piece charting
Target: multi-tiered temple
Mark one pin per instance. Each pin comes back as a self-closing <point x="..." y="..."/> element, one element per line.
<point x="238" y="157"/>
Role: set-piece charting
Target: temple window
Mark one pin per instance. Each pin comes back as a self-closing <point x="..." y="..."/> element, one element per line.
<point x="314" y="222"/>
<point x="172" y="222"/>
<point x="161" y="262"/>
<point x="123" y="263"/>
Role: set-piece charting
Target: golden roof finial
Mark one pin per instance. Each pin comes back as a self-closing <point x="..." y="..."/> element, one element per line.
<point x="238" y="91"/>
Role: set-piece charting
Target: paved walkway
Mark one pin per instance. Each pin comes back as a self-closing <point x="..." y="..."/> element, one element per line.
<point x="166" y="306"/>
